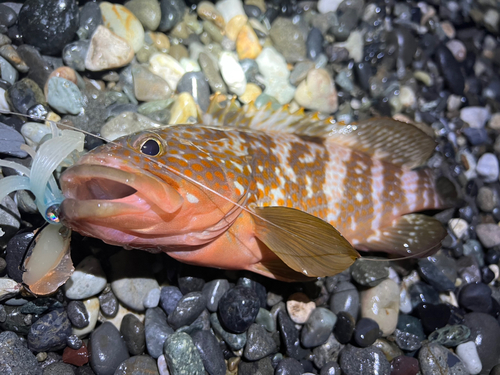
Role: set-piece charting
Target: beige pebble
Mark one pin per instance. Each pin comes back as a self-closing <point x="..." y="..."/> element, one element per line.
<point x="123" y="23"/>
<point x="252" y="91"/>
<point x="381" y="303"/>
<point x="207" y="11"/>
<point x="458" y="49"/>
<point x="117" y="320"/>
<point x="160" y="41"/>
<point x="458" y="226"/>
<point x="390" y="349"/>
<point x="184" y="110"/>
<point x="299" y="307"/>
<point x="494" y="122"/>
<point x="234" y="26"/>
<point x="247" y="43"/>
<point x="317" y="92"/>
<point x="149" y="86"/>
<point x="181" y="31"/>
<point x="448" y="29"/>
<point x="107" y="51"/>
<point x="178" y="52"/>
<point x="167" y="68"/>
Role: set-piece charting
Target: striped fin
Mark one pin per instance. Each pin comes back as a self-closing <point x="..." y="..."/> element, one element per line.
<point x="383" y="138"/>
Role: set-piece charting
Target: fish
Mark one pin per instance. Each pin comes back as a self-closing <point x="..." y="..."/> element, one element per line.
<point x="289" y="195"/>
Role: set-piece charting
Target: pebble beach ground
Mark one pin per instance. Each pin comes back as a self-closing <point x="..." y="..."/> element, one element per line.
<point x="116" y="68"/>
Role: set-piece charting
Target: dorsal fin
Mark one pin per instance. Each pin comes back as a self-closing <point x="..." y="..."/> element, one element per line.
<point x="383" y="138"/>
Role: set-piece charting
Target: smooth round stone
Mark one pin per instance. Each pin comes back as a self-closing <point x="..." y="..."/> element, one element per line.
<point x="487" y="167"/>
<point x="235" y="341"/>
<point x="288" y="39"/>
<point x="345" y="298"/>
<point x="289" y="336"/>
<point x="167" y="68"/>
<point x="8" y="73"/>
<point x="123" y="23"/>
<point x="148" y="12"/>
<point x="109" y="304"/>
<point x="195" y="83"/>
<point x="169" y="297"/>
<point x="148" y="86"/>
<point x="50" y="332"/>
<point x="182" y="356"/>
<point x="407" y="341"/>
<point x="172" y="12"/>
<point x="156" y="331"/>
<point x="435" y="359"/>
<point x="314" y="44"/>
<point x="485" y="332"/>
<point x="371" y="360"/>
<point x="247" y="43"/>
<point x="39" y="67"/>
<point x="366" y="332"/>
<point x="263" y="366"/>
<point x="138" y="365"/>
<point x="107" y="349"/>
<point x="381" y="303"/>
<point x="410" y="324"/>
<point x="8" y="16"/>
<point x="450" y="68"/>
<point x="330" y="368"/>
<point x="475" y="117"/>
<point x="439" y="270"/>
<point x="238" y="308"/>
<point x="487" y="199"/>
<point x="344" y="327"/>
<point x="184" y="110"/>
<point x="24" y="94"/>
<point x="421" y="292"/>
<point x="433" y="316"/>
<point x="259" y="344"/>
<point x="488" y="234"/>
<point x="64" y="96"/>
<point x="318" y="327"/>
<point x="90" y="18"/>
<point x="88" y="279"/>
<point x="467" y="352"/>
<point x="133" y="333"/>
<point x="368" y="273"/>
<point x="265" y="319"/>
<point x="317" y="92"/>
<point x="232" y="73"/>
<point x="74" y="54"/>
<point x="187" y="310"/>
<point x="92" y="308"/>
<point x="406" y="45"/>
<point x="74" y="342"/>
<point x="78" y="314"/>
<point x="404" y="365"/>
<point x="289" y="366"/>
<point x="11" y="141"/>
<point x="207" y="11"/>
<point x="210" y="352"/>
<point x="48" y="25"/>
<point x="107" y="51"/>
<point x="152" y="298"/>
<point x="299" y="307"/>
<point x="476" y="298"/>
<point x="127" y="123"/>
<point x="213" y="292"/>
<point x="210" y="68"/>
<point x="15" y="355"/>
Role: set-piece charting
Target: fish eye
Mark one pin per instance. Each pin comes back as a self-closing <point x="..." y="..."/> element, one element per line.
<point x="151" y="147"/>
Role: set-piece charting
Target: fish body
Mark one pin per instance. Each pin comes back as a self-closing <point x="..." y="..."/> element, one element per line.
<point x="149" y="191"/>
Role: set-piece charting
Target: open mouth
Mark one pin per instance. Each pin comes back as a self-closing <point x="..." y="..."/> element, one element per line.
<point x="103" y="189"/>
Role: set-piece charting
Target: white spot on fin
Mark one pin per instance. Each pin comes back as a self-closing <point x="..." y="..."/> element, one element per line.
<point x="191" y="198"/>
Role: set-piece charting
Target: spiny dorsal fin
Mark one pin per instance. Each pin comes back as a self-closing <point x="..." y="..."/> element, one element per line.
<point x="382" y="138"/>
<point x="413" y="234"/>
<point x="304" y="242"/>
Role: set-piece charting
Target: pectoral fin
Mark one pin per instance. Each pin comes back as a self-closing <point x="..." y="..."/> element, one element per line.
<point x="303" y="242"/>
<point x="411" y="235"/>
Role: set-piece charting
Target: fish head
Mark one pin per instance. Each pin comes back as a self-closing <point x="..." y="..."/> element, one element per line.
<point x="152" y="190"/>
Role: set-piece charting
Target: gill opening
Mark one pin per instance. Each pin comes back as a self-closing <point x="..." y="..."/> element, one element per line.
<point x="55" y="194"/>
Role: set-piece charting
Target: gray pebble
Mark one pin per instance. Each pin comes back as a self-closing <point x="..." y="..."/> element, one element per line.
<point x="489" y="234"/>
<point x="327" y="352"/>
<point x="15" y="357"/>
<point x="435" y="359"/>
<point x="289" y="366"/>
<point x="265" y="319"/>
<point x="236" y="341"/>
<point x="90" y="18"/>
<point x="152" y="298"/>
<point x="182" y="356"/>
<point x="11" y="141"/>
<point x="368" y="273"/>
<point x="157" y="330"/>
<point x="133" y="332"/>
<point x="487" y="199"/>
<point x="74" y="54"/>
<point x="169" y="297"/>
<point x="8" y="72"/>
<point x="107" y="349"/>
<point x="172" y="12"/>
<point x="59" y="368"/>
<point x="195" y="83"/>
<point x="109" y="304"/>
<point x="50" y="332"/>
<point x="211" y="70"/>
<point x="345" y="298"/>
<point x="210" y="352"/>
<point x="138" y="365"/>
<point x="371" y="360"/>
<point x="78" y="314"/>
<point x="439" y="270"/>
<point x="318" y="327"/>
<point x="187" y="310"/>
<point x="213" y="292"/>
<point x="262" y="367"/>
<point x="407" y="341"/>
<point x="450" y="336"/>
<point x="259" y="344"/>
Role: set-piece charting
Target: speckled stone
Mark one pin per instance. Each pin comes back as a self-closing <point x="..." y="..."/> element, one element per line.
<point x="238" y="308"/>
<point x="210" y="352"/>
<point x="156" y="330"/>
<point x="355" y="361"/>
<point x="434" y="358"/>
<point x="50" y="332"/>
<point x="138" y="365"/>
<point x="15" y="357"/>
<point x="368" y="273"/>
<point x="182" y="356"/>
<point x="327" y="352"/>
<point x="236" y="341"/>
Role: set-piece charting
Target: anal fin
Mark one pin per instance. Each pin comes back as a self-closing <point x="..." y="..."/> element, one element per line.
<point x="411" y="235"/>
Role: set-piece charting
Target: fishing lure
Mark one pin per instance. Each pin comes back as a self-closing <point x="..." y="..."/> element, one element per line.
<point x="286" y="195"/>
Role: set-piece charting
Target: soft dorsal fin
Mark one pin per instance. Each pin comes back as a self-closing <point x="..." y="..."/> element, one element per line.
<point x="410" y="235"/>
<point x="304" y="242"/>
<point x="382" y="138"/>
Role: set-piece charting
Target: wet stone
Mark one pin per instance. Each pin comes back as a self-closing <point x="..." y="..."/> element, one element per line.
<point x="211" y="70"/>
<point x="169" y="297"/>
<point x="64" y="96"/>
<point x="133" y="333"/>
<point x="421" y="292"/>
<point x="327" y="352"/>
<point x="259" y="343"/>
<point x="74" y="342"/>
<point x="15" y="357"/>
<point x="156" y="331"/>
<point x="210" y="352"/>
<point x="450" y="336"/>
<point x="289" y="366"/>
<point x="87" y="280"/>
<point x="152" y="299"/>
<point x="24" y="94"/>
<point x="366" y="332"/>
<point x="439" y="270"/>
<point x="238" y="308"/>
<point x="78" y="314"/>
<point x="171" y="13"/>
<point x="369" y="273"/>
<point x="107" y="349"/>
<point x="213" y="292"/>
<point x="407" y="341"/>
<point x="318" y="327"/>
<point x="74" y="54"/>
<point x="235" y="341"/>
<point x="196" y="84"/>
<point x="109" y="304"/>
<point x="11" y="141"/>
<point x="259" y="289"/>
<point x="404" y="365"/>
<point x="484" y="332"/>
<point x="16" y="248"/>
<point x="354" y="361"/>
<point x="16" y="321"/>
<point x="50" y="332"/>
<point x="8" y="16"/>
<point x="433" y="316"/>
<point x="265" y="319"/>
<point x="9" y="73"/>
<point x="138" y="365"/>
<point x="147" y="11"/>
<point x="187" y="310"/>
<point x="90" y="18"/>
<point x="344" y="327"/>
<point x="345" y="298"/>
<point x="410" y="324"/>
<point x="469" y="271"/>
<point x="263" y="367"/>
<point x="290" y="336"/>
<point x="434" y="358"/>
<point x="288" y="39"/>
<point x="314" y="43"/>
<point x="476" y="298"/>
<point x="450" y="68"/>
<point x="182" y="356"/>
<point x="59" y="368"/>
<point x="48" y="25"/>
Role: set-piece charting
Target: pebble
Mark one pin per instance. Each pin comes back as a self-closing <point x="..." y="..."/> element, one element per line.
<point x="235" y="341"/>
<point x="288" y="39"/>
<point x="484" y="332"/>
<point x="450" y="335"/>
<point x="11" y="141"/>
<point x="488" y="234"/>
<point x="16" y="248"/>
<point x="187" y="310"/>
<point x="433" y="316"/>
<point x="78" y="314"/>
<point x="133" y="333"/>
<point x="345" y="298"/>
<point x="48" y="25"/>
<point x="123" y="23"/>
<point x="247" y="43"/>
<point x="107" y="349"/>
<point x="138" y="365"/>
<point x="50" y="332"/>
<point x="458" y="49"/>
<point x="371" y="360"/>
<point x="15" y="357"/>
<point x="289" y="366"/>
<point x="127" y="123"/>
<point x="344" y="327"/>
<point x="10" y="54"/>
<point x="148" y="86"/>
<point x="169" y="297"/>
<point x="232" y="73"/>
<point x="263" y="366"/>
<point x="90" y="18"/>
<point x="167" y="68"/>
<point x="210" y="352"/>
<point x="299" y="307"/>
<point x="109" y="304"/>
<point x="152" y="298"/>
<point x="230" y="9"/>
<point x="259" y="344"/>
<point x="172" y="12"/>
<point x="195" y="83"/>
<point x="407" y="341"/>
<point x="366" y="332"/>
<point x="24" y="94"/>
<point x="487" y="167"/>
<point x="107" y="51"/>
<point x="58" y="368"/>
<point x="182" y="356"/>
<point x="404" y="365"/>
<point x="317" y="92"/>
<point x="450" y="68"/>
<point x="289" y="336"/>
<point x="207" y="11"/>
<point x="318" y="327"/>
<point x="74" y="54"/>
<point x="148" y="12"/>
<point x="467" y="352"/>
<point x="381" y="303"/>
<point x="213" y="292"/>
<point x="156" y="331"/>
<point x="435" y="359"/>
<point x="92" y="308"/>
<point x="87" y="280"/>
<point x="8" y="73"/>
<point x="184" y="110"/>
<point x="458" y="226"/>
<point x="368" y="273"/>
<point x="476" y="117"/>
<point x="238" y="308"/>
<point x="210" y="68"/>
<point x="439" y="270"/>
<point x="476" y="297"/>
<point x="76" y="357"/>
<point x="273" y="67"/>
<point x="64" y="96"/>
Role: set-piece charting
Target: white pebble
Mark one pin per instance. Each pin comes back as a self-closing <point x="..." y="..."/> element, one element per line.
<point x="152" y="298"/>
<point x="299" y="307"/>
<point x="476" y="117"/>
<point x="467" y="352"/>
<point x="232" y="73"/>
<point x="167" y="68"/>
<point x="407" y="96"/>
<point x="495" y="121"/>
<point x="354" y="44"/>
<point x="87" y="280"/>
<point x="230" y="9"/>
<point x="454" y="102"/>
<point x="496" y="271"/>
<point x="458" y="49"/>
<point x="487" y="167"/>
<point x="92" y="306"/>
<point x="33" y="132"/>
<point x="458" y="227"/>
<point x="325" y="6"/>
<point x="190" y="65"/>
<point x="162" y="365"/>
